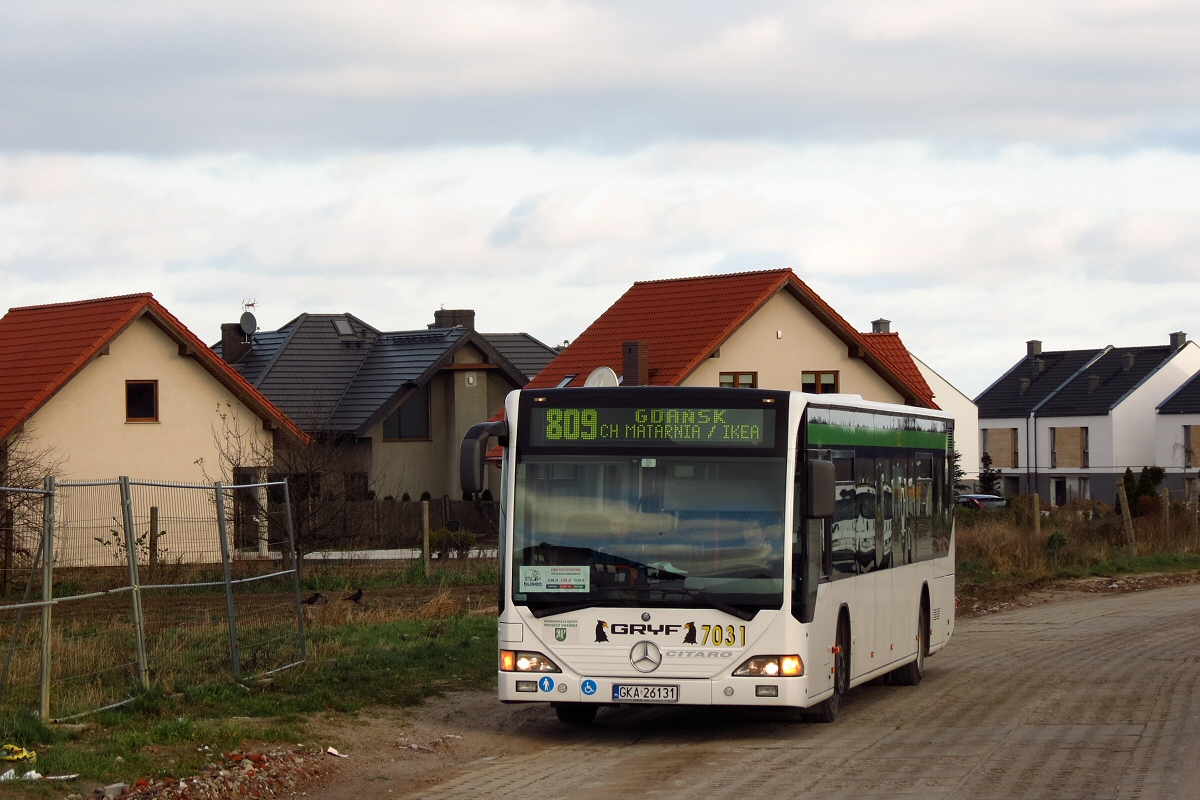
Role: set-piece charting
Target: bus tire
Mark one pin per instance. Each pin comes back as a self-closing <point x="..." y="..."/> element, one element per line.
<point x="576" y="713"/>
<point x="827" y="710"/>
<point x="910" y="674"/>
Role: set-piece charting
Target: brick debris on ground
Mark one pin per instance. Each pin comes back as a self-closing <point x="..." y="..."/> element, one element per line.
<point x="277" y="773"/>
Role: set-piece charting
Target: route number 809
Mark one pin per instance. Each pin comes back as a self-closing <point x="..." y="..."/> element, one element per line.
<point x="571" y="424"/>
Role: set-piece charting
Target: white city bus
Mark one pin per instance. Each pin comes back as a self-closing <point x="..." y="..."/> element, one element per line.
<point x="733" y="547"/>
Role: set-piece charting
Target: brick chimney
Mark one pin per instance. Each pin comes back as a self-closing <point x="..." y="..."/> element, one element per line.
<point x="636" y="358"/>
<point x="234" y="342"/>
<point x="1033" y="347"/>
<point x="881" y="325"/>
<point x="454" y="318"/>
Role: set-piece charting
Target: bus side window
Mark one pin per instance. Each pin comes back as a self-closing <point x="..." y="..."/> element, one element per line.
<point x="843" y="538"/>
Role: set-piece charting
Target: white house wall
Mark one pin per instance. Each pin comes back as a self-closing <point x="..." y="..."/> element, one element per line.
<point x="1134" y="420"/>
<point x="966" y="418"/>
<point x="1168" y="440"/>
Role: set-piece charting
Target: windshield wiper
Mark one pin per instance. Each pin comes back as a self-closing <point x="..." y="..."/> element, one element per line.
<point x="705" y="599"/>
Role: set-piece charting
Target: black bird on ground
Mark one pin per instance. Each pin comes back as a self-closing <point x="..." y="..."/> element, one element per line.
<point x="313" y="599"/>
<point x="356" y="597"/>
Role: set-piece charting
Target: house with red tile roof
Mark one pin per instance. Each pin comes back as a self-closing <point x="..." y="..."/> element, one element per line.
<point x="119" y="386"/>
<point x="764" y="329"/>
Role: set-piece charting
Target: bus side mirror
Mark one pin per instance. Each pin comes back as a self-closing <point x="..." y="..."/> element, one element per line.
<point x="474" y="449"/>
<point x="822" y="489"/>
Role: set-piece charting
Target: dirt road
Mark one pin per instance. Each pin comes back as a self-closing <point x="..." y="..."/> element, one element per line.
<point x="1096" y="696"/>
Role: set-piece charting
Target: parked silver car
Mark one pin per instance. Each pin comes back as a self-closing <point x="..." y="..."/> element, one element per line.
<point x="979" y="502"/>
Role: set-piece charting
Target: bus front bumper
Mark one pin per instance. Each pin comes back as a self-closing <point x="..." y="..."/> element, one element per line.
<point x="729" y="691"/>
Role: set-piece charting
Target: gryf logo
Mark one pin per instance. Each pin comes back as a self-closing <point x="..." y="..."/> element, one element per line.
<point x="560" y="634"/>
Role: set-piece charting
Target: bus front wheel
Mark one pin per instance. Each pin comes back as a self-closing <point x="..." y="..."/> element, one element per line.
<point x="827" y="710"/>
<point x="576" y="713"/>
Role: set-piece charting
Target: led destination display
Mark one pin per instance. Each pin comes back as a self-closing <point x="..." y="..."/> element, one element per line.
<point x="618" y="427"/>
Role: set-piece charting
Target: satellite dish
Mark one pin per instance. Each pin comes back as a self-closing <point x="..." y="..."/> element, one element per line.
<point x="248" y="323"/>
<point x="601" y="376"/>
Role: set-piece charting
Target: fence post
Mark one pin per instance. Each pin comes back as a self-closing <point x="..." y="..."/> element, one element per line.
<point x="425" y="537"/>
<point x="1126" y="516"/>
<point x="47" y="594"/>
<point x="1037" y="514"/>
<point x="1165" y="499"/>
<point x="131" y="556"/>
<point x="231" y="612"/>
<point x="287" y="504"/>
<point x="153" y="541"/>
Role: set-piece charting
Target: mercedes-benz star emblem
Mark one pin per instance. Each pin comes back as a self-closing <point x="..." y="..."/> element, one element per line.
<point x="645" y="656"/>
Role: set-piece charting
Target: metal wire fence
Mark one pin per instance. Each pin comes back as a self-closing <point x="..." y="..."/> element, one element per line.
<point x="152" y="584"/>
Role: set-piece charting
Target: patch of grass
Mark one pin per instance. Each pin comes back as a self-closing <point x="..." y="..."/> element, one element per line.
<point x="389" y="661"/>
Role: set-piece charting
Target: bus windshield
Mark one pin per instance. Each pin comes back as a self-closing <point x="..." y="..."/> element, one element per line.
<point x="661" y="531"/>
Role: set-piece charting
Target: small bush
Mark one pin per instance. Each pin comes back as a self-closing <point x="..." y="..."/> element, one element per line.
<point x="444" y="542"/>
<point x="405" y="498"/>
<point x="426" y="496"/>
<point x="486" y="496"/>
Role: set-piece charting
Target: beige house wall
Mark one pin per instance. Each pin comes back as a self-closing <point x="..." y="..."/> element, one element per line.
<point x="459" y="398"/>
<point x="781" y="341"/>
<point x="85" y="420"/>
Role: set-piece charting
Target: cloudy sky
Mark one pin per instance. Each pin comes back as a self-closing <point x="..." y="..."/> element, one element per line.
<point x="981" y="173"/>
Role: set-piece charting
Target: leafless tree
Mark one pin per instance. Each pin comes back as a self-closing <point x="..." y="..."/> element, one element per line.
<point x="326" y="476"/>
<point x="24" y="464"/>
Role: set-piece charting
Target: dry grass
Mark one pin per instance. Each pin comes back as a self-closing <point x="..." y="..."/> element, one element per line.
<point x="440" y="607"/>
<point x="1071" y="541"/>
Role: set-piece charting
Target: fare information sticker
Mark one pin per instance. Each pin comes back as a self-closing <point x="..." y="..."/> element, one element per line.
<point x="554" y="579"/>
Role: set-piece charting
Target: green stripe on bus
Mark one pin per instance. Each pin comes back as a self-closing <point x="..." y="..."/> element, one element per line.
<point x="821" y="434"/>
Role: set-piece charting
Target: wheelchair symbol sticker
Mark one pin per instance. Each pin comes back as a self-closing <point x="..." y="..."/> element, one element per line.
<point x="589" y="687"/>
<point x="546" y="684"/>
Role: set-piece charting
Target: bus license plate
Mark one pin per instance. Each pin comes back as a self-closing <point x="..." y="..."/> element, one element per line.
<point x="624" y="693"/>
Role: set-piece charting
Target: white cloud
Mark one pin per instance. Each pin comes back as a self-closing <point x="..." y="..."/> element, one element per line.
<point x="177" y="76"/>
<point x="968" y="256"/>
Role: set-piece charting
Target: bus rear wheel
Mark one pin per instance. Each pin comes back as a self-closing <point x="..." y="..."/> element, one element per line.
<point x="910" y="674"/>
<point x="576" y="713"/>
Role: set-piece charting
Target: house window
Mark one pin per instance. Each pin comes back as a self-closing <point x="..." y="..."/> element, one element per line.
<point x="566" y="379"/>
<point x="141" y="401"/>
<point x="411" y="419"/>
<point x="1001" y="445"/>
<point x="1188" y="460"/>
<point x="739" y="380"/>
<point x="1069" y="448"/>
<point x="819" y="382"/>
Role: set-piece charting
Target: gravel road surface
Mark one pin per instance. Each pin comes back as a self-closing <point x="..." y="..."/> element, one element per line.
<point x="1095" y="696"/>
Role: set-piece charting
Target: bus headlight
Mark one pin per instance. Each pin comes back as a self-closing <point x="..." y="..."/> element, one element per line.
<point x="525" y="661"/>
<point x="770" y="667"/>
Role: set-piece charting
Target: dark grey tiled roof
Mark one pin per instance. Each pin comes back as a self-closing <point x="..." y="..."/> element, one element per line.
<point x="263" y="347"/>
<point x="328" y="382"/>
<point x="525" y="352"/>
<point x="311" y="370"/>
<point x="397" y="361"/>
<point x="1186" y="399"/>
<point x="1004" y="398"/>
<point x="1104" y="383"/>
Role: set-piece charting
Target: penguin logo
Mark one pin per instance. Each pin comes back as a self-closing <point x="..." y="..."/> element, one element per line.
<point x="601" y="636"/>
<point x="690" y="636"/>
